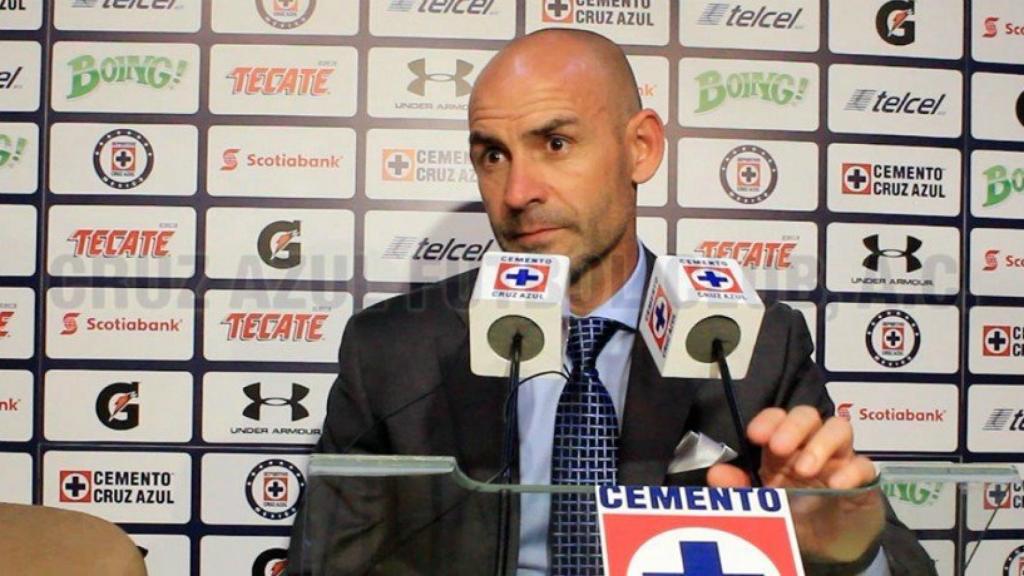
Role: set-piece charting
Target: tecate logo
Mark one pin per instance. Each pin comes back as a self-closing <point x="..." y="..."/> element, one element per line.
<point x="880" y="101"/>
<point x="277" y="81"/>
<point x="739" y="16"/>
<point x="280" y="326"/>
<point x="766" y="255"/>
<point x="93" y="324"/>
<point x="121" y="242"/>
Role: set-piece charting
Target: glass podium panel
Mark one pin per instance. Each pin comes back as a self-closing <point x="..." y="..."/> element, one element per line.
<point x="395" y="515"/>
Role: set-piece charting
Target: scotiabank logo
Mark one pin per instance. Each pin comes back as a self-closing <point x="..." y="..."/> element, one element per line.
<point x="760" y="255"/>
<point x="849" y="411"/>
<point x="121" y="242"/>
<point x="993" y="261"/>
<point x="281" y="81"/>
<point x="5" y="320"/>
<point x="230" y="163"/>
<point x="92" y="324"/>
<point x="275" y="326"/>
<point x="993" y="28"/>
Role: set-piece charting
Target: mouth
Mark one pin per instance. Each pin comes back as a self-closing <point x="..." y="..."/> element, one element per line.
<point x="534" y="235"/>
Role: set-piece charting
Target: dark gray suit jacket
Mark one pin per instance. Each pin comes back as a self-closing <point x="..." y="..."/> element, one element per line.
<point x="405" y="387"/>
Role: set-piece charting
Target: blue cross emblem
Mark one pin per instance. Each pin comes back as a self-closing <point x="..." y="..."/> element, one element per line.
<point x="659" y="314"/>
<point x="521" y="277"/>
<point x="700" y="559"/>
<point x="714" y="280"/>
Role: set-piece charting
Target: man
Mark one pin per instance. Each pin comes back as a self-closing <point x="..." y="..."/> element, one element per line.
<point x="559" y="143"/>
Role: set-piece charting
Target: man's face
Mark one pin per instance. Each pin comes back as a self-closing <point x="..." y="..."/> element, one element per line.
<point x="550" y="156"/>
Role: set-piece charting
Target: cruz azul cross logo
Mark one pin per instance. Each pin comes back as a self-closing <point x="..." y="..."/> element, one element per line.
<point x="273" y="488"/>
<point x="717" y="279"/>
<point x="893" y="338"/>
<point x="856" y="178"/>
<point x="660" y="318"/>
<point x="398" y="164"/>
<point x="76" y="486"/>
<point x="1003" y="496"/>
<point x="996" y="340"/>
<point x="673" y="531"/>
<point x="285" y="14"/>
<point x="123" y="159"/>
<point x="522" y="277"/>
<point x="557" y="11"/>
<point x="748" y="174"/>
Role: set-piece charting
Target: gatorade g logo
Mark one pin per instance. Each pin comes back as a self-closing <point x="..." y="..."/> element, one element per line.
<point x="116" y="406"/>
<point x="895" y="23"/>
<point x="277" y="246"/>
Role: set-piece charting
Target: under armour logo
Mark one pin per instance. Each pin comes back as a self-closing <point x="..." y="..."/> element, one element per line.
<point x="419" y="85"/>
<point x="252" y="411"/>
<point x="871" y="262"/>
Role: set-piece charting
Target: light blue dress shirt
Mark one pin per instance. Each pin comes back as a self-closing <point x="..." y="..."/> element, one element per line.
<point x="538" y="403"/>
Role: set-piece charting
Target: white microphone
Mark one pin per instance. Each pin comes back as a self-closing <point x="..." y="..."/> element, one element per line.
<point x="690" y="303"/>
<point x="524" y="295"/>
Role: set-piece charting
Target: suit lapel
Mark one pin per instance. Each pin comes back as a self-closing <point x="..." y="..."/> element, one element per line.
<point x="476" y="402"/>
<point x="654" y="416"/>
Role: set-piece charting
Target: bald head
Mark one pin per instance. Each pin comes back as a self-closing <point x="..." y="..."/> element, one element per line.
<point x="581" y="59"/>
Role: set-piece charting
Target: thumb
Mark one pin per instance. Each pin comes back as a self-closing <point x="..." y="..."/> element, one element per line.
<point x="727" y="476"/>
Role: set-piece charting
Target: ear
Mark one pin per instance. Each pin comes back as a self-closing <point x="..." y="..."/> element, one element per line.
<point x="645" y="136"/>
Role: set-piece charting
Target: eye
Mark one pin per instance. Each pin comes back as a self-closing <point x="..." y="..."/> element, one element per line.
<point x="493" y="156"/>
<point x="557" y="143"/>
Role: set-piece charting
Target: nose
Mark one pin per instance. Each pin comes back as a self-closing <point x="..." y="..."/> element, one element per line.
<point x="524" y="185"/>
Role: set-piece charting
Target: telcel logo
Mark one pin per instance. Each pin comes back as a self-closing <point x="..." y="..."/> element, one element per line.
<point x="128" y="4"/>
<point x="718" y="13"/>
<point x="908" y="103"/>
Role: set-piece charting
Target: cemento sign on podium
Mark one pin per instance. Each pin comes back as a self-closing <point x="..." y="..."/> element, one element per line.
<point x="677" y="531"/>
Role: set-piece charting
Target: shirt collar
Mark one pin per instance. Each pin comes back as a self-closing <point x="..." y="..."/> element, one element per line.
<point x="624" y="305"/>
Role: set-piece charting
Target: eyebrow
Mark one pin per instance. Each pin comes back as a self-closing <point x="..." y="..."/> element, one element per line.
<point x="477" y="138"/>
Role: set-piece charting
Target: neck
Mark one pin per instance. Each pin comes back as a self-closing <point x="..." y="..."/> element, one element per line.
<point x="601" y="281"/>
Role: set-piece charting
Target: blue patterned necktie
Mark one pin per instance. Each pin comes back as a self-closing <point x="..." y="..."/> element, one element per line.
<point x="585" y="451"/>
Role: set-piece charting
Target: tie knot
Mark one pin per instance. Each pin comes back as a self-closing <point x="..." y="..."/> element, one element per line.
<point x="587" y="337"/>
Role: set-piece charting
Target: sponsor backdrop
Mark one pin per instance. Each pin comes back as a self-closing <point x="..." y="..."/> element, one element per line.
<point x="196" y="196"/>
